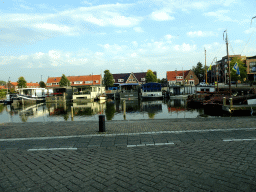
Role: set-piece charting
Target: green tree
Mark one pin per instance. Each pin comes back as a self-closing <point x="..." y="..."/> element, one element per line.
<point x="2" y="83"/>
<point x="22" y="83"/>
<point x="199" y="71"/>
<point x="242" y="69"/>
<point x="64" y="81"/>
<point x="108" y="79"/>
<point x="3" y="93"/>
<point x="42" y="84"/>
<point x="150" y="77"/>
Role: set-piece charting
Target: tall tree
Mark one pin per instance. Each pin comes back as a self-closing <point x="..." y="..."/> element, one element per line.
<point x="199" y="71"/>
<point x="22" y="83"/>
<point x="64" y="81"/>
<point x="108" y="79"/>
<point x="150" y="77"/>
<point x="42" y="84"/>
<point x="242" y="69"/>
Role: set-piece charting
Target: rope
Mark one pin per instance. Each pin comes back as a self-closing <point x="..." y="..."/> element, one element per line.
<point x="248" y="40"/>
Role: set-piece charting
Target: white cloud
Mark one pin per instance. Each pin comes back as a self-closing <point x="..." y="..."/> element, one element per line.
<point x="250" y="30"/>
<point x="168" y="37"/>
<point x="161" y="16"/>
<point x="133" y="55"/>
<point x="201" y="33"/>
<point x="221" y="15"/>
<point x="135" y="44"/>
<point x="185" y="47"/>
<point x="138" y="29"/>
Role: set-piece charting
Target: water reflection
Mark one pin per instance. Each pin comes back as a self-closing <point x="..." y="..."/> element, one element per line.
<point x="114" y="110"/>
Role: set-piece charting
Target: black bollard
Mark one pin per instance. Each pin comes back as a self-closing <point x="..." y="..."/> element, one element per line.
<point x="101" y="123"/>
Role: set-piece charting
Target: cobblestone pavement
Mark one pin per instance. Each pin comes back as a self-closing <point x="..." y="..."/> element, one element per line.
<point x="161" y="155"/>
<point x="49" y="129"/>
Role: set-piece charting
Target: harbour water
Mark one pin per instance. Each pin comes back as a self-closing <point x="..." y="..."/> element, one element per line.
<point x="135" y="110"/>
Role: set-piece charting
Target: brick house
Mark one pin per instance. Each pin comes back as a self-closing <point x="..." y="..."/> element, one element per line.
<point x="122" y="78"/>
<point x="186" y="77"/>
<point x="251" y="68"/>
<point x="75" y="80"/>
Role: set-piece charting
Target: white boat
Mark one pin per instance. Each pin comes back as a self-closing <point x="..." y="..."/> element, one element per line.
<point x="37" y="94"/>
<point x="151" y="91"/>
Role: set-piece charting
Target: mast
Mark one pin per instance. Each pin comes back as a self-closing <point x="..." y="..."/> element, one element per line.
<point x="205" y="68"/>
<point x="228" y="63"/>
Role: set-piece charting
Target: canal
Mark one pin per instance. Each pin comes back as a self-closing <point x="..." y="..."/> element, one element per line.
<point x="135" y="110"/>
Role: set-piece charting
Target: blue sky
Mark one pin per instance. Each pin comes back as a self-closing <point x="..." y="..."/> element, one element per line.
<point x="51" y="38"/>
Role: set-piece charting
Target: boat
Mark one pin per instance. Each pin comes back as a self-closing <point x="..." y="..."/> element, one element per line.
<point x="9" y="99"/>
<point x="151" y="91"/>
<point x="29" y="96"/>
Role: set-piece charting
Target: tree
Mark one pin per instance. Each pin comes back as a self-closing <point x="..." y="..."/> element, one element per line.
<point x="22" y="83"/>
<point x="3" y="93"/>
<point x="199" y="71"/>
<point x="64" y="81"/>
<point x="150" y="77"/>
<point x="42" y="84"/>
<point x="2" y="83"/>
<point x="242" y="69"/>
<point x="108" y="79"/>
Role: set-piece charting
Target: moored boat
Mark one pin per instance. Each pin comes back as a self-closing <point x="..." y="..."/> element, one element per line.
<point x="151" y="91"/>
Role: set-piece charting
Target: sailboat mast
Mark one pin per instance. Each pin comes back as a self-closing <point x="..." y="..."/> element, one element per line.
<point x="228" y="64"/>
<point x="205" y="68"/>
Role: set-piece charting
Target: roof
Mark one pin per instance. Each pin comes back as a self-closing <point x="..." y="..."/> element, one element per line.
<point x="14" y="83"/>
<point x="2" y="87"/>
<point x="33" y="84"/>
<point x="125" y="76"/>
<point x="72" y="79"/>
<point x="171" y="75"/>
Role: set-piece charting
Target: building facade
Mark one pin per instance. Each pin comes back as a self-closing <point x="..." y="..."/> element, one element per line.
<point x="186" y="77"/>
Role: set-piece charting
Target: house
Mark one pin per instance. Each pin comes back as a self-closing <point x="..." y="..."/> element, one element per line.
<point x="251" y="68"/>
<point x="86" y="87"/>
<point x="14" y="85"/>
<point x="122" y="78"/>
<point x="75" y="81"/>
<point x="2" y="87"/>
<point x="186" y="77"/>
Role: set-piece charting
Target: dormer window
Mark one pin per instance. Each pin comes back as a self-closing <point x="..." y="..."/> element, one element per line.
<point x="143" y="79"/>
<point x="120" y="80"/>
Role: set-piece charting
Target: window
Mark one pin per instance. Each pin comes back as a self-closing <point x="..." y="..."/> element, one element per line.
<point x="55" y="83"/>
<point x="97" y="81"/>
<point x="48" y="84"/>
<point x="78" y="82"/>
<point x="179" y="77"/>
<point x="88" y="82"/>
<point x="120" y="80"/>
<point x="130" y="80"/>
<point x="143" y="79"/>
<point x="191" y="76"/>
<point x="252" y="67"/>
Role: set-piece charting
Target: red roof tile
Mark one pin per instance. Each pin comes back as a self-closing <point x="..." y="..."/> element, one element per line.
<point x="72" y="79"/>
<point x="171" y="75"/>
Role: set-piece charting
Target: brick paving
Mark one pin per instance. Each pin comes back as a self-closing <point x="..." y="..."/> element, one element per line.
<point x="50" y="129"/>
<point x="215" y="154"/>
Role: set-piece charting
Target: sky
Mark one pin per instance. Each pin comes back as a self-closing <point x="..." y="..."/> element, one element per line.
<point x="51" y="38"/>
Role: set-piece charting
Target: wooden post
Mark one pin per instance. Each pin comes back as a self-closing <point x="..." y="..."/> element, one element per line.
<point x="224" y="101"/>
<point x="230" y="102"/>
<point x="242" y="93"/>
<point x="124" y="108"/>
<point x="72" y="113"/>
